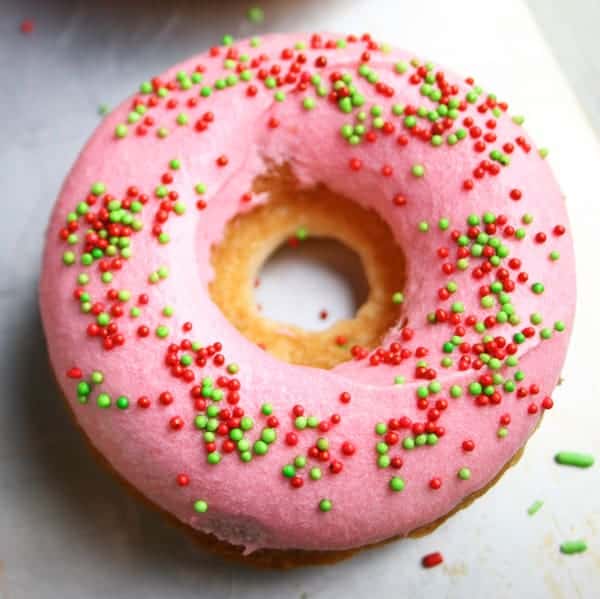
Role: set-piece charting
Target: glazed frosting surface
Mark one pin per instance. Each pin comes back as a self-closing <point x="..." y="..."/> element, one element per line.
<point x="262" y="121"/>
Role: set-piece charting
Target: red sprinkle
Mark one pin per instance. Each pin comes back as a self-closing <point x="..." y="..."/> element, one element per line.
<point x="432" y="559"/>
<point x="27" y="26"/>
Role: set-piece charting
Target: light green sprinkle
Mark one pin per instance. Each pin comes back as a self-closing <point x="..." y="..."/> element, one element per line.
<point x="535" y="507"/>
<point x="572" y="458"/>
<point x="398" y="297"/>
<point x="255" y="15"/>
<point x="396" y="484"/>
<point x="418" y="170"/>
<point x="571" y="547"/>
<point x="162" y="331"/>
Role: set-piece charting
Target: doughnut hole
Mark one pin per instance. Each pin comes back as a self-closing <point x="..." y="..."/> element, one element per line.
<point x="311" y="282"/>
<point x="250" y="238"/>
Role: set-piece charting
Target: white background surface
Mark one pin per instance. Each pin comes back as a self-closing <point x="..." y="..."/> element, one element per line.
<point x="67" y="530"/>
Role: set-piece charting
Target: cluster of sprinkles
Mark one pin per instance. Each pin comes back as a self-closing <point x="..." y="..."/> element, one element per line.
<point x="484" y="332"/>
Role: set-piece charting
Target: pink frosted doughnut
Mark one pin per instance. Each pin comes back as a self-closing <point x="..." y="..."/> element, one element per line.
<point x="419" y="424"/>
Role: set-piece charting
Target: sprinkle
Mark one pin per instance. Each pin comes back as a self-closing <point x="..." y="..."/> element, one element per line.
<point x="535" y="507"/>
<point x="537" y="288"/>
<point x="103" y="109"/>
<point x="27" y="26"/>
<point x="200" y="506"/>
<point x="571" y="547"/>
<point x="396" y="484"/>
<point x="572" y="458"/>
<point x="103" y="400"/>
<point x="325" y="505"/>
<point x="543" y="152"/>
<point x="432" y="559"/>
<point x="464" y="474"/>
<point x="121" y="131"/>
<point x="255" y="15"/>
<point x="418" y="170"/>
<point x="518" y="120"/>
<point x="398" y="297"/>
<point x="162" y="331"/>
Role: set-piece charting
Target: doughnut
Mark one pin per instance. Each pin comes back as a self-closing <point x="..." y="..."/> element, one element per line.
<point x="260" y="437"/>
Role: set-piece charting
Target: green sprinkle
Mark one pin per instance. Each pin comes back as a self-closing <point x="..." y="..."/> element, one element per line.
<point x="455" y="391"/>
<point x="554" y="255"/>
<point x="518" y="119"/>
<point x="322" y="444"/>
<point x="571" y="547"/>
<point x="268" y="435"/>
<point x="200" y="506"/>
<point x="260" y="447"/>
<point x="288" y="471"/>
<point x="213" y="458"/>
<point x="122" y="403"/>
<point x="435" y="387"/>
<point x="543" y="152"/>
<point x="572" y="458"/>
<point x="537" y="288"/>
<point x="418" y="170"/>
<point x="396" y="484"/>
<point x="255" y="15"/>
<point x="300" y="461"/>
<point x="398" y="297"/>
<point x="535" y="507"/>
<point x="401" y="67"/>
<point x="502" y="432"/>
<point x="423" y="226"/>
<point x="399" y="380"/>
<point x="325" y="505"/>
<point x="162" y="331"/>
<point x="458" y="307"/>
<point x="308" y="103"/>
<point x="300" y="422"/>
<point x="443" y="224"/>
<point x="121" y="131"/>
<point x="97" y="377"/>
<point x="103" y="400"/>
<point x="315" y="473"/>
<point x="381" y="428"/>
<point x="464" y="474"/>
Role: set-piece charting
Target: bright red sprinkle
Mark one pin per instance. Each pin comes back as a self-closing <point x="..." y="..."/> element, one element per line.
<point x="432" y="559"/>
<point x="74" y="373"/>
<point x="27" y="26"/>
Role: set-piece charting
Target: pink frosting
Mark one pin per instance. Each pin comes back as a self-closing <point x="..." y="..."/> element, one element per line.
<point x="253" y="504"/>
